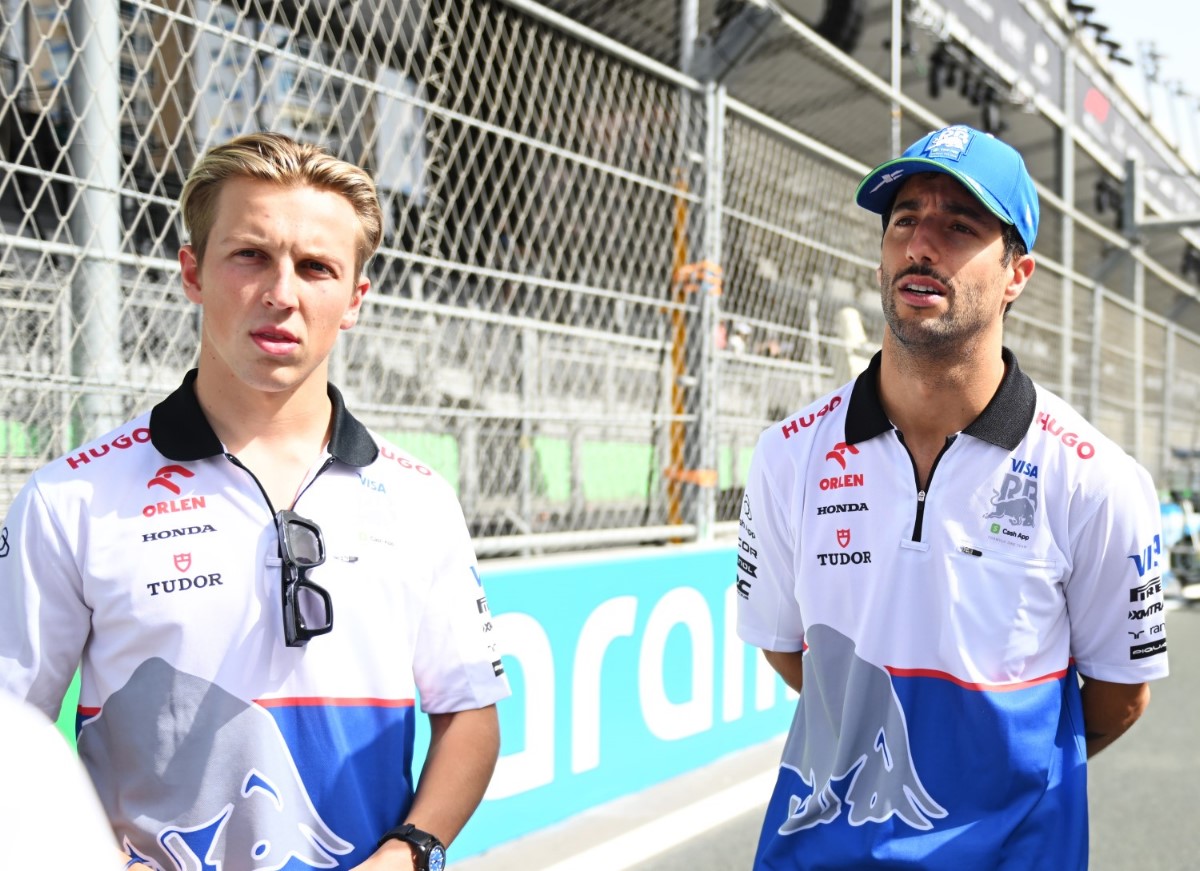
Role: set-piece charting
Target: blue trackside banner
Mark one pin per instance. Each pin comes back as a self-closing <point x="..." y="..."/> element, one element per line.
<point x="625" y="672"/>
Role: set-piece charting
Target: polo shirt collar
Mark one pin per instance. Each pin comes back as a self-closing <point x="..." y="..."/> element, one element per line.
<point x="1004" y="422"/>
<point x="180" y="431"/>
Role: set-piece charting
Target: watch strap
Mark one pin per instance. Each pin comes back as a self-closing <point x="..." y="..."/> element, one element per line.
<point x="424" y="846"/>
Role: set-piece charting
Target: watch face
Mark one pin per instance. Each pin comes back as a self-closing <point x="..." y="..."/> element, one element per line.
<point x="437" y="858"/>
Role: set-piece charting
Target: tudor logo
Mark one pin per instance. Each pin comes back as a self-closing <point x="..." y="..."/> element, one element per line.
<point x="838" y="454"/>
<point x="843" y="536"/>
<point x="163" y="478"/>
<point x="183" y="561"/>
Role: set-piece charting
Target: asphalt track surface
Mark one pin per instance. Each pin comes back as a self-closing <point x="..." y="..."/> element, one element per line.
<point x="1144" y="793"/>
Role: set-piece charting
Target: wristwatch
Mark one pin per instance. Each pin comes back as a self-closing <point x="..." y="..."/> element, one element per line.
<point x="428" y="852"/>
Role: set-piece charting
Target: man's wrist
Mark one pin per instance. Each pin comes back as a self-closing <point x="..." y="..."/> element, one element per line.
<point x="397" y="855"/>
<point x="427" y="851"/>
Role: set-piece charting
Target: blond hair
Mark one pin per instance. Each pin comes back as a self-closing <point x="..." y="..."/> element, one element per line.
<point x="280" y="159"/>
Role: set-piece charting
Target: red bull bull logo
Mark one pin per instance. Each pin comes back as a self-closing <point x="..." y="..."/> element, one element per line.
<point x="871" y="752"/>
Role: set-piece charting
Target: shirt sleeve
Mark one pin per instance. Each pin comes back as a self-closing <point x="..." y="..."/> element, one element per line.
<point x="44" y="620"/>
<point x="456" y="659"/>
<point x="768" y="613"/>
<point x="1114" y="594"/>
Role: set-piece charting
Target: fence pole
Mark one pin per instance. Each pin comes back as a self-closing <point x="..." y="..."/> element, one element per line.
<point x="1167" y="398"/>
<point x="1093" y="413"/>
<point x="1066" y="376"/>
<point x="710" y="290"/>
<point x="95" y="222"/>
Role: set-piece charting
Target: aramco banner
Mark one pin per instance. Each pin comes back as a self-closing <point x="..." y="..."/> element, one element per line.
<point x="625" y="672"/>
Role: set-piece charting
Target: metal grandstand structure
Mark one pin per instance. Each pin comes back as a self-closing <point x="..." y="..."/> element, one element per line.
<point x="620" y="238"/>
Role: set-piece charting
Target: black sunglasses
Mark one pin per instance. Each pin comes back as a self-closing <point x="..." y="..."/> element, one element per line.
<point x="307" y="608"/>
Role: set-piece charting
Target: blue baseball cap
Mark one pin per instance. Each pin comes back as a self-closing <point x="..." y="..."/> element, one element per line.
<point x="990" y="169"/>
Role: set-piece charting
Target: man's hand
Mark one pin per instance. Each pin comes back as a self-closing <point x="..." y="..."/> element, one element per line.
<point x="394" y="855"/>
<point x="1109" y="709"/>
<point x="790" y="666"/>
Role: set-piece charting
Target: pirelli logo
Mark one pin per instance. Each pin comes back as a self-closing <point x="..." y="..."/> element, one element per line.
<point x="1152" y="587"/>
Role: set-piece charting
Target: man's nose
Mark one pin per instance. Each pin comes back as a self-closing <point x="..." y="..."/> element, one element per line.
<point x="922" y="244"/>
<point x="280" y="291"/>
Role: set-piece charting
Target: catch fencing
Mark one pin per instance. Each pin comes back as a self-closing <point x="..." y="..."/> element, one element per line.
<point x="600" y="278"/>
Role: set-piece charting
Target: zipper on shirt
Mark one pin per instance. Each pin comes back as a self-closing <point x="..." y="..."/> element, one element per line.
<point x="921" y="494"/>
<point x="253" y="478"/>
<point x="328" y="462"/>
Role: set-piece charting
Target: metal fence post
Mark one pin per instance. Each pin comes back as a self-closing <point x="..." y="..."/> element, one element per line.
<point x="1093" y="412"/>
<point x="1167" y="398"/>
<point x="710" y="289"/>
<point x="95" y="221"/>
<point x="1066" y="384"/>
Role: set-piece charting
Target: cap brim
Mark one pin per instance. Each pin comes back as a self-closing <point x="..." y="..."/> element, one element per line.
<point x="876" y="192"/>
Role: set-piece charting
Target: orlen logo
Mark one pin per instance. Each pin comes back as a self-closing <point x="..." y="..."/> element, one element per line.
<point x="141" y="435"/>
<point x="162" y="478"/>
<point x="792" y="427"/>
<point x="838" y="454"/>
<point x="188" y="504"/>
<point x="1085" y="450"/>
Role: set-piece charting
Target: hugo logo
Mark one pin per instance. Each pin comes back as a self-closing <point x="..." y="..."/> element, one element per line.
<point x="163" y="477"/>
<point x="792" y="427"/>
<point x="1085" y="450"/>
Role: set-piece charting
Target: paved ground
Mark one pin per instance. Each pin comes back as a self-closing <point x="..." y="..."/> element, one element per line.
<point x="1144" y="793"/>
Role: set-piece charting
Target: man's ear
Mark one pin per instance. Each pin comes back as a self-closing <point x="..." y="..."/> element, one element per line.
<point x="1021" y="271"/>
<point x="189" y="272"/>
<point x="350" y="316"/>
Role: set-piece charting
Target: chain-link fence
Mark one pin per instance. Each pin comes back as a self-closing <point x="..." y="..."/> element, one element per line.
<point x="600" y="279"/>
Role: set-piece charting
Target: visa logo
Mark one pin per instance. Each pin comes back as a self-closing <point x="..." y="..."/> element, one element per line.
<point x="1148" y="558"/>
<point x="1024" y="468"/>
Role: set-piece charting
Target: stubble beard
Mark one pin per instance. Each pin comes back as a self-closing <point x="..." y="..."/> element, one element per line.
<point x="947" y="336"/>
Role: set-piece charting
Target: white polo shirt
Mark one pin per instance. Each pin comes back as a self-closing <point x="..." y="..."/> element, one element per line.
<point x="940" y="721"/>
<point x="152" y="556"/>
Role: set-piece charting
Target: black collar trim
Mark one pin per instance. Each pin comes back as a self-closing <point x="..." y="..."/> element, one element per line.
<point x="180" y="431"/>
<point x="1004" y="422"/>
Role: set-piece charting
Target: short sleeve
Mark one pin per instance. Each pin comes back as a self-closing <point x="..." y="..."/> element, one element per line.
<point x="456" y="658"/>
<point x="1114" y="593"/>
<point x="768" y="613"/>
<point x="44" y="620"/>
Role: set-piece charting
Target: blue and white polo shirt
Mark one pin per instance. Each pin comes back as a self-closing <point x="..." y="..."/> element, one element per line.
<point x="151" y="556"/>
<point x="940" y="725"/>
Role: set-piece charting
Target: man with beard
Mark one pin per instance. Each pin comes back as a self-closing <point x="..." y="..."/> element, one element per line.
<point x="958" y="572"/>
